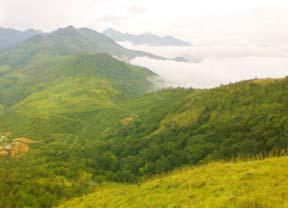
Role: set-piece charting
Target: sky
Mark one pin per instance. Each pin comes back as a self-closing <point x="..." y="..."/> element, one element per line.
<point x="235" y="39"/>
<point x="231" y="20"/>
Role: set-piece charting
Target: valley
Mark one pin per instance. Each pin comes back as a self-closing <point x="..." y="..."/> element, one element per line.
<point x="90" y="125"/>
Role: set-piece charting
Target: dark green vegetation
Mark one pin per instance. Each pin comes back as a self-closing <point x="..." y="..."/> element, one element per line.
<point x="95" y="123"/>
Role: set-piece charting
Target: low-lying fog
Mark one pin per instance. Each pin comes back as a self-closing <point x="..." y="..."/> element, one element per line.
<point x="219" y="65"/>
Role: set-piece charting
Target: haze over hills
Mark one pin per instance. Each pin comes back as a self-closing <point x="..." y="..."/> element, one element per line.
<point x="68" y="41"/>
<point x="145" y="38"/>
<point x="11" y="37"/>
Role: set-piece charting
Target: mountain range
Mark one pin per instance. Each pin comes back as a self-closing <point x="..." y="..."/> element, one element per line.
<point x="68" y="41"/>
<point x="145" y="38"/>
<point x="31" y="42"/>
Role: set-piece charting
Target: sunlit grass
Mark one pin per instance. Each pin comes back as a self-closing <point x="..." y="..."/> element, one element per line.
<point x="256" y="183"/>
<point x="69" y="95"/>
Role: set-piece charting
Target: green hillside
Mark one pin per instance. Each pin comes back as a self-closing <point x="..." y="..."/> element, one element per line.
<point x="45" y="101"/>
<point x="99" y="78"/>
<point x="18" y="83"/>
<point x="133" y="137"/>
<point x="251" y="184"/>
<point x="36" y="97"/>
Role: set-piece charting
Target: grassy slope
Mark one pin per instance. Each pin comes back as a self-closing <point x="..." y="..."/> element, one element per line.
<point x="69" y="95"/>
<point x="250" y="184"/>
<point x="86" y="80"/>
<point x="22" y="81"/>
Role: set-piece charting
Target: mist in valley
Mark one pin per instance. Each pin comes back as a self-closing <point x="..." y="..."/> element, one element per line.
<point x="215" y="65"/>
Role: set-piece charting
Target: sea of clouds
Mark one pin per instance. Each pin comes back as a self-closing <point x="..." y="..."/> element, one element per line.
<point x="219" y="64"/>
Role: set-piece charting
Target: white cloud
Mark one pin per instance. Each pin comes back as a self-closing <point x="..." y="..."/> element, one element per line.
<point x="137" y="10"/>
<point x="213" y="72"/>
<point x="112" y="19"/>
<point x="220" y="65"/>
<point x="212" y="50"/>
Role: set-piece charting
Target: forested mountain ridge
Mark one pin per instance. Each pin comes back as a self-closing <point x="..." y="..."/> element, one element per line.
<point x="66" y="41"/>
<point x="140" y="137"/>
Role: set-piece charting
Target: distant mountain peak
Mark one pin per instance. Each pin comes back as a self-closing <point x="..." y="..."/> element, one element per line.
<point x="10" y="37"/>
<point x="32" y="30"/>
<point x="70" y="27"/>
<point x="67" y="29"/>
<point x="147" y="38"/>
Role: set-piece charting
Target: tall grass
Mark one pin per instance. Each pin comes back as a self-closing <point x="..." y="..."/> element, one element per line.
<point x="258" y="183"/>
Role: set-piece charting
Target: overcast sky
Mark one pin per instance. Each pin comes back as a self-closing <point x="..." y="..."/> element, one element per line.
<point x="257" y="21"/>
